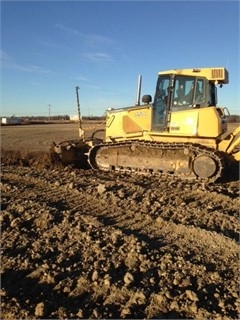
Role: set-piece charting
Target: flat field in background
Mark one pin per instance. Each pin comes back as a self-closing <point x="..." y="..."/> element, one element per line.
<point x="39" y="137"/>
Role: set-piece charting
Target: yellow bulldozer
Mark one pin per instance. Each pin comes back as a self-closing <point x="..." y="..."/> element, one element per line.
<point x="182" y="132"/>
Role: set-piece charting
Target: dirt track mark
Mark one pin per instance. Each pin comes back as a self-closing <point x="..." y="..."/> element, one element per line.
<point x="194" y="209"/>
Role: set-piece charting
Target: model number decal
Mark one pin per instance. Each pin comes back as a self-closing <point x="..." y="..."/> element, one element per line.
<point x="140" y="114"/>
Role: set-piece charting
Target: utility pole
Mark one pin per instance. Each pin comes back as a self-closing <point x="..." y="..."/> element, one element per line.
<point x="81" y="131"/>
<point x="49" y="112"/>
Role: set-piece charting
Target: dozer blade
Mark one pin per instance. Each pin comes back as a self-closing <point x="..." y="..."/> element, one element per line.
<point x="72" y="152"/>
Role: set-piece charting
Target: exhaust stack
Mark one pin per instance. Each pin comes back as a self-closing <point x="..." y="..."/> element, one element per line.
<point x="139" y="90"/>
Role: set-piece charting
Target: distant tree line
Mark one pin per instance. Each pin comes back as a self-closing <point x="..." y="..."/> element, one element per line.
<point x="59" y="118"/>
<point x="93" y="117"/>
<point x="45" y="118"/>
<point x="234" y="119"/>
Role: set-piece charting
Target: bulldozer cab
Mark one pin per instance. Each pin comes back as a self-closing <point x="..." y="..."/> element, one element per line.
<point x="180" y="93"/>
<point x="184" y="104"/>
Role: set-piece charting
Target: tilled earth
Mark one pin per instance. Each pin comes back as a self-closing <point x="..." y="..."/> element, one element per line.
<point x="90" y="244"/>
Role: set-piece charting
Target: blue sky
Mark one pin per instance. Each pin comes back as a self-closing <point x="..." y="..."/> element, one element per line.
<point x="50" y="47"/>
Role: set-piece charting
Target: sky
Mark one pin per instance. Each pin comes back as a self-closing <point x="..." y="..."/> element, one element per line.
<point x="50" y="47"/>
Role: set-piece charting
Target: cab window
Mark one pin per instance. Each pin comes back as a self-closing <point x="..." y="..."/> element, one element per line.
<point x="212" y="95"/>
<point x="188" y="91"/>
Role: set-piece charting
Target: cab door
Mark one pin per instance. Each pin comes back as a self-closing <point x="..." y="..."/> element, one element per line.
<point x="161" y="102"/>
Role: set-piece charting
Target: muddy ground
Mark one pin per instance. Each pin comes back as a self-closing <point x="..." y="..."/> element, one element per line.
<point x="86" y="244"/>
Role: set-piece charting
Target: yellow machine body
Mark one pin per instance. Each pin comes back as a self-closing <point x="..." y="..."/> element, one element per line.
<point x="188" y="126"/>
<point x="216" y="75"/>
<point x="202" y="123"/>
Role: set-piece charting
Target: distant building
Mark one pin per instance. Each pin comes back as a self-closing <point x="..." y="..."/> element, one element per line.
<point x="74" y="118"/>
<point x="11" y="120"/>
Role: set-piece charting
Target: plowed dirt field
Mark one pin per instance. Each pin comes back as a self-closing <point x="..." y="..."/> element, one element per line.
<point x="89" y="244"/>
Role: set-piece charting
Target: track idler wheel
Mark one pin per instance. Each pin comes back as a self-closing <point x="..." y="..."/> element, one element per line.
<point x="204" y="166"/>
